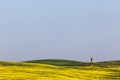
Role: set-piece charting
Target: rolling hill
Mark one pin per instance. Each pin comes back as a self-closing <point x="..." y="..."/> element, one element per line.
<point x="52" y="69"/>
<point x="58" y="62"/>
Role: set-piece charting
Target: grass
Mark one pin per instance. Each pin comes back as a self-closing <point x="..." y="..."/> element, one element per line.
<point x="59" y="70"/>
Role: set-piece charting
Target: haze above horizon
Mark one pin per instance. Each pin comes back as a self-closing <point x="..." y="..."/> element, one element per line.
<point x="59" y="29"/>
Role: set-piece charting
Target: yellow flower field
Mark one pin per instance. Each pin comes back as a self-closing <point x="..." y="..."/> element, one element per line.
<point x="35" y="71"/>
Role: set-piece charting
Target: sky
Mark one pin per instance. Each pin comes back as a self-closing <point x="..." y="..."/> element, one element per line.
<point x="59" y="29"/>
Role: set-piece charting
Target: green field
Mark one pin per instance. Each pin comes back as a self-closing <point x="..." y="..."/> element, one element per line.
<point x="59" y="70"/>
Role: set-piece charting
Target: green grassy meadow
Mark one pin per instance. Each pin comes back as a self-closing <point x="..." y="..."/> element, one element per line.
<point x="59" y="70"/>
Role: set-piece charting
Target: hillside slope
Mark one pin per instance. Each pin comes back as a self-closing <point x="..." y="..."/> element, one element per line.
<point x="58" y="62"/>
<point x="44" y="71"/>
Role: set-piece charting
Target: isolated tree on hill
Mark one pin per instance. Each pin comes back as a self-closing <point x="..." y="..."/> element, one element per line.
<point x="91" y="59"/>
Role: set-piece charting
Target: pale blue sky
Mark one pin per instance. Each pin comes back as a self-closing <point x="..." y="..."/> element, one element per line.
<point x="59" y="29"/>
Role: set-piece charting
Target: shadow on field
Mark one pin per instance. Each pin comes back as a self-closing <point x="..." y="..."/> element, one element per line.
<point x="60" y="62"/>
<point x="4" y="63"/>
<point x="57" y="62"/>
